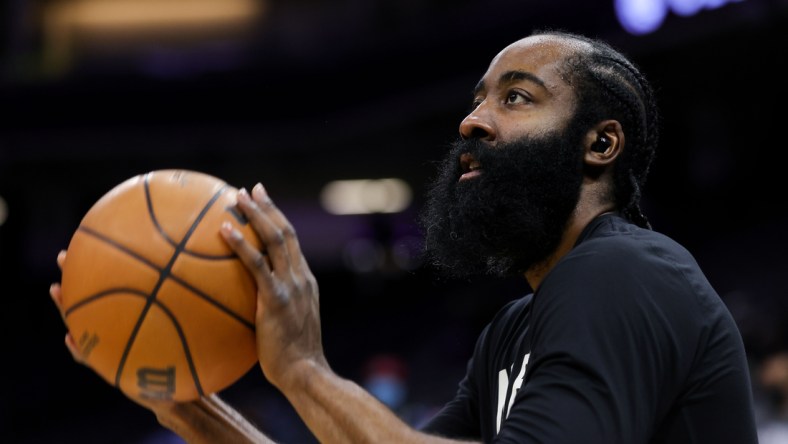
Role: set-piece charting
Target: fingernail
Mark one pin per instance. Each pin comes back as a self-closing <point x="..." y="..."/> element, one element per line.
<point x="228" y="229"/>
<point x="259" y="188"/>
<point x="243" y="194"/>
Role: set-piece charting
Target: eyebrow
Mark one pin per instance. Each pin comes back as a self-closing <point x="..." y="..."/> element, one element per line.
<point x="512" y="76"/>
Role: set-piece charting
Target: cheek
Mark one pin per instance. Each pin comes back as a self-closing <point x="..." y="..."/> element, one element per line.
<point x="515" y="127"/>
<point x="530" y="124"/>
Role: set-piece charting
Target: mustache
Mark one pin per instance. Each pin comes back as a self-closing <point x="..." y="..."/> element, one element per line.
<point x="489" y="157"/>
<point x="480" y="150"/>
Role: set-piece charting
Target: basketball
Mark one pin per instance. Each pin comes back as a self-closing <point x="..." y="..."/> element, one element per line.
<point x="157" y="302"/>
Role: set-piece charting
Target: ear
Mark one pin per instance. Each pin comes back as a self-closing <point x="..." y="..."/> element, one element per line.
<point x="603" y="143"/>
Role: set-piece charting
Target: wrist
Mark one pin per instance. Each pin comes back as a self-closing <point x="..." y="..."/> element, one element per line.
<point x="174" y="416"/>
<point x="300" y="375"/>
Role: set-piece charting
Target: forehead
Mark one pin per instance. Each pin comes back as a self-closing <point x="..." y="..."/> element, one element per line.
<point x="541" y="56"/>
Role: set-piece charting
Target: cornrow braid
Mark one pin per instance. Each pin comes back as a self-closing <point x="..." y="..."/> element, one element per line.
<point x="609" y="86"/>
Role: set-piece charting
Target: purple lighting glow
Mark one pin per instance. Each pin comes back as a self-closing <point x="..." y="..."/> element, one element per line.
<point x="646" y="16"/>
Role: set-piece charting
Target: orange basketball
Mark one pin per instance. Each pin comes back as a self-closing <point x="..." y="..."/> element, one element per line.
<point x="157" y="302"/>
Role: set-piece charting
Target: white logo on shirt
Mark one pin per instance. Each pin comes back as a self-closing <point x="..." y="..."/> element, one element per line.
<point x="503" y="387"/>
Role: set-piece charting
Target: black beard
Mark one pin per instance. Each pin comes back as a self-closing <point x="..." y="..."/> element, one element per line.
<point x="510" y="217"/>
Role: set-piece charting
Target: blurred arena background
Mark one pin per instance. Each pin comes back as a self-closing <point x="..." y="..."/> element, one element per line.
<point x="299" y="94"/>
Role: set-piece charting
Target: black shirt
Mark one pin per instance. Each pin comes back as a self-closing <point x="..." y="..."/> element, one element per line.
<point x="625" y="341"/>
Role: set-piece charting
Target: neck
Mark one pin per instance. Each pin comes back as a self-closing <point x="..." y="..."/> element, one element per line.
<point x="584" y="213"/>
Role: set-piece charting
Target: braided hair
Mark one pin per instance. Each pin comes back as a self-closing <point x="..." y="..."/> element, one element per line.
<point x="609" y="86"/>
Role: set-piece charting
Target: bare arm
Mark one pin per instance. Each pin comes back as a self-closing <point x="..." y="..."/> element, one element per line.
<point x="289" y="337"/>
<point x="338" y="410"/>
<point x="208" y="421"/>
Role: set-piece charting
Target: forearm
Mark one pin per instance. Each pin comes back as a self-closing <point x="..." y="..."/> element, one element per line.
<point x="209" y="421"/>
<point x="339" y="411"/>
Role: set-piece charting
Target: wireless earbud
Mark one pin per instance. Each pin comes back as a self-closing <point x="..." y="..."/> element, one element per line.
<point x="601" y="145"/>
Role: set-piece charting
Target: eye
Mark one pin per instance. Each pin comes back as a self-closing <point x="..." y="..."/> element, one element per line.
<point x="516" y="97"/>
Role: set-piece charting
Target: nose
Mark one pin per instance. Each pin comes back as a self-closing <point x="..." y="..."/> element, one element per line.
<point x="476" y="125"/>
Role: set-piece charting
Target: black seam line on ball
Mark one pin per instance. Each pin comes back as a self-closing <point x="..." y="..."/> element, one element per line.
<point x="142" y="294"/>
<point x="105" y="293"/>
<point x="108" y="292"/>
<point x="119" y="246"/>
<point x="212" y="301"/>
<point x="162" y="277"/>
<point x="233" y="210"/>
<point x="170" y="240"/>
<point x="209" y="257"/>
<point x="181" y="281"/>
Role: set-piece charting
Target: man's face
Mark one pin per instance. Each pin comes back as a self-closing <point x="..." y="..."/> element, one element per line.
<point x="504" y="194"/>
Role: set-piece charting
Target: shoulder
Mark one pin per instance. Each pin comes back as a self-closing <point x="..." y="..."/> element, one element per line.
<point x="503" y="338"/>
<point x="615" y="249"/>
<point x="620" y="269"/>
<point x="514" y="315"/>
<point x="621" y="241"/>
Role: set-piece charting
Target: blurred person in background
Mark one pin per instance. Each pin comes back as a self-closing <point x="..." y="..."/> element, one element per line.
<point x="772" y="380"/>
<point x="623" y="339"/>
<point x="385" y="376"/>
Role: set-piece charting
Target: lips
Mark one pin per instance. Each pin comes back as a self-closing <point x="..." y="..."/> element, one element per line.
<point x="470" y="167"/>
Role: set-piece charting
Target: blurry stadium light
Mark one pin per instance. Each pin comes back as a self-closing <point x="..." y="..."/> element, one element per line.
<point x="366" y="196"/>
<point x="107" y="22"/>
<point x="146" y="14"/>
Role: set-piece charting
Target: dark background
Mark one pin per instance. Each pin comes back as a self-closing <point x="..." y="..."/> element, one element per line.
<point x="315" y="91"/>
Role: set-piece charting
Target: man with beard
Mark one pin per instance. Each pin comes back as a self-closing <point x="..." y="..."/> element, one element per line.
<point x="623" y="339"/>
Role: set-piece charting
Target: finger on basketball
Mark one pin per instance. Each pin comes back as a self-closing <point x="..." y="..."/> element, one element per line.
<point x="57" y="297"/>
<point x="61" y="257"/>
<point x="255" y="261"/>
<point x="270" y="234"/>
<point x="71" y="345"/>
<point x="260" y="196"/>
